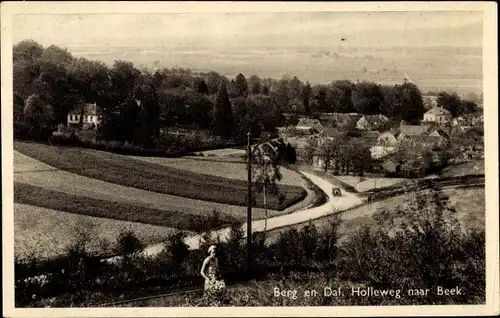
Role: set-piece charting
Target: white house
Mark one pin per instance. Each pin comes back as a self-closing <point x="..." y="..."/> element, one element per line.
<point x="438" y="115"/>
<point x="85" y="113"/>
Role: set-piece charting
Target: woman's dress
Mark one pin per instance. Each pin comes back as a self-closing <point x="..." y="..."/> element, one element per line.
<point x="211" y="273"/>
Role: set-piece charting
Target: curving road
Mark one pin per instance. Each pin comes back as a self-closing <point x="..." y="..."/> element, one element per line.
<point x="333" y="205"/>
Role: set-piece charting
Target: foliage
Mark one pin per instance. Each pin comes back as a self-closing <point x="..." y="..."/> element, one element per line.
<point x="450" y="102"/>
<point x="222" y="122"/>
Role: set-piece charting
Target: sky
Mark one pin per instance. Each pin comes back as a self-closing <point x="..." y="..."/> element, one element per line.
<point x="309" y="29"/>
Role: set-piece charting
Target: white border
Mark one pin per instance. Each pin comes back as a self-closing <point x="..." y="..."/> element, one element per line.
<point x="490" y="80"/>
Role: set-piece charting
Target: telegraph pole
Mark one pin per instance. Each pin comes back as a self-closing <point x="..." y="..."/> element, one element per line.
<point x="249" y="205"/>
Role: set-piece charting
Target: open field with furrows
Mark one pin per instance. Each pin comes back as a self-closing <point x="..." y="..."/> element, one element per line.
<point x="469" y="204"/>
<point x="33" y="172"/>
<point x="229" y="170"/>
<point x="38" y="196"/>
<point x="152" y="177"/>
<point x="46" y="233"/>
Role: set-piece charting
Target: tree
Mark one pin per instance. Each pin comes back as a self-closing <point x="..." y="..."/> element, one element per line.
<point x="202" y="88"/>
<point x="309" y="150"/>
<point x="255" y="84"/>
<point x="342" y="96"/>
<point x="306" y="95"/>
<point x="328" y="151"/>
<point x="367" y="98"/>
<point x="56" y="55"/>
<point x="222" y="121"/>
<point x="469" y="106"/>
<point x="247" y="117"/>
<point x="27" y="50"/>
<point x="412" y="104"/>
<point x="41" y="114"/>
<point x="357" y="156"/>
<point x="265" y="90"/>
<point x="241" y="85"/>
<point x="266" y="173"/>
<point x="450" y="102"/>
<point x="123" y="79"/>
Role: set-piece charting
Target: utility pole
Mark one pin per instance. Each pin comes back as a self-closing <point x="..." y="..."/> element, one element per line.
<point x="249" y="205"/>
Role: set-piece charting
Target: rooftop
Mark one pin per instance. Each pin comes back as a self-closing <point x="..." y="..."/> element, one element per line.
<point x="86" y="109"/>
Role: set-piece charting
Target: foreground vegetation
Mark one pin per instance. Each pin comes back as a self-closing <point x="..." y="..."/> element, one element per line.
<point x="43" y="233"/>
<point x="419" y="244"/>
<point x="152" y="177"/>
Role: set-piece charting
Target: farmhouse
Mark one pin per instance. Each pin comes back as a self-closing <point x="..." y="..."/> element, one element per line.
<point x="437" y="115"/>
<point x="85" y="113"/>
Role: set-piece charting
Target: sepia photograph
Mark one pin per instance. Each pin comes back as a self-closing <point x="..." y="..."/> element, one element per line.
<point x="257" y="155"/>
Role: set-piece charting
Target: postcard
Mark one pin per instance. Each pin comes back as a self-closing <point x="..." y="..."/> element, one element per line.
<point x="249" y="159"/>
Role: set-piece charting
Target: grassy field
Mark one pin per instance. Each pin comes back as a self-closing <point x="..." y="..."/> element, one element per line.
<point x="152" y="177"/>
<point x="375" y="183"/>
<point x="54" y="200"/>
<point x="472" y="167"/>
<point x="46" y="233"/>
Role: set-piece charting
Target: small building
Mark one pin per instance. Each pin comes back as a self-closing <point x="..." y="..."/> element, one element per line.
<point x="85" y="113"/>
<point x="411" y="130"/>
<point x="391" y="166"/>
<point x="372" y="122"/>
<point x="378" y="152"/>
<point x="439" y="133"/>
<point x="308" y="124"/>
<point x="341" y="121"/>
<point x="437" y="115"/>
<point x="387" y="139"/>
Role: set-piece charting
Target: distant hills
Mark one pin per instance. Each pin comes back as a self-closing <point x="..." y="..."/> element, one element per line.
<point x="434" y="68"/>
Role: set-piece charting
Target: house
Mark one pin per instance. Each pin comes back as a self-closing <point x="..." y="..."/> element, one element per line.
<point x="85" y="113"/>
<point x="411" y="130"/>
<point x="308" y="124"/>
<point x="438" y="115"/>
<point x="424" y="141"/>
<point x="378" y="152"/>
<point x="341" y="121"/>
<point x="387" y="139"/>
<point x="439" y="133"/>
<point x="391" y="166"/>
<point x="330" y="133"/>
<point x="372" y="122"/>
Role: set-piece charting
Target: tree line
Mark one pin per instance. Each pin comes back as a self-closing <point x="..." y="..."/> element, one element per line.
<point x="49" y="82"/>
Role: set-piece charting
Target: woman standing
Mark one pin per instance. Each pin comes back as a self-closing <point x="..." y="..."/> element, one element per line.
<point x="210" y="267"/>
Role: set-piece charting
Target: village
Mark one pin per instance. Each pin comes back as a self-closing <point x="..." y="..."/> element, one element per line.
<point x="384" y="139"/>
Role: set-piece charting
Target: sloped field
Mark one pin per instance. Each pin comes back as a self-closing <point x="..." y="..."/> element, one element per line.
<point x="152" y="177"/>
